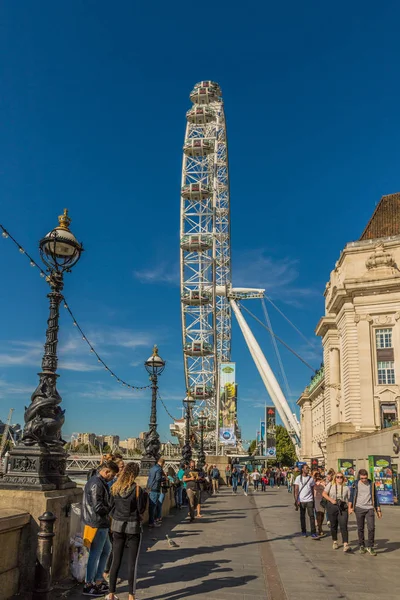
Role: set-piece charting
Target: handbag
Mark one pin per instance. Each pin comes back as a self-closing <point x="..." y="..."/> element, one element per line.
<point x="324" y="502"/>
<point x="89" y="533"/>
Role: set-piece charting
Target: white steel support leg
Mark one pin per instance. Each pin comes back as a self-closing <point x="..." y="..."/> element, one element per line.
<point x="267" y="375"/>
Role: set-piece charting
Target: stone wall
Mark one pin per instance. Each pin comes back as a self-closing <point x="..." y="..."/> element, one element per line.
<point x="379" y="443"/>
<point x="36" y="503"/>
<point x="14" y="544"/>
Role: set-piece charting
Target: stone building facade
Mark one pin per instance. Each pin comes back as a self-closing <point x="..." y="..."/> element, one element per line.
<point x="357" y="392"/>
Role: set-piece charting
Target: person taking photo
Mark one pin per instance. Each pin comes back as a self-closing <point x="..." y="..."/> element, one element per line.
<point x="337" y="496"/>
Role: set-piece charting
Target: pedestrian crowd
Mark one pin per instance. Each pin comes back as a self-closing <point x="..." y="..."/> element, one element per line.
<point x="113" y="508"/>
<point x="114" y="505"/>
<point x="327" y="496"/>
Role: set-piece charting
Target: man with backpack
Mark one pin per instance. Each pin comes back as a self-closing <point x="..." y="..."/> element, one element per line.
<point x="215" y="479"/>
<point x="304" y="497"/>
<point x="364" y="502"/>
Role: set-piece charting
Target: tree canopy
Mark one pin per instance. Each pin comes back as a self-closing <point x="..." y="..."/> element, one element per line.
<point x="252" y="446"/>
<point x="285" y="451"/>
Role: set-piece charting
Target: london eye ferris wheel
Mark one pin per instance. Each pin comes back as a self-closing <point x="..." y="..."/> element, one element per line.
<point x="207" y="296"/>
<point x="205" y="246"/>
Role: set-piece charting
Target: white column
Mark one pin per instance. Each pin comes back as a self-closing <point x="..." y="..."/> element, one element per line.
<point x="267" y="375"/>
<point x="334" y="383"/>
<point x="366" y="383"/>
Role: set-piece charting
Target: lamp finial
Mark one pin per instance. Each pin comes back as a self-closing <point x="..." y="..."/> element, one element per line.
<point x="64" y="220"/>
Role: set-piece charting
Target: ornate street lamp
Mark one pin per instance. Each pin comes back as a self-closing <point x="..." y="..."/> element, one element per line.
<point x="154" y="366"/>
<point x="187" y="449"/>
<point x="39" y="460"/>
<point x="202" y="457"/>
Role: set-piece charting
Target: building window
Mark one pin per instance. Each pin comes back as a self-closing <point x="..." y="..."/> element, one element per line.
<point x="386" y="372"/>
<point x="383" y="338"/>
<point x="389" y="415"/>
<point x="385" y="356"/>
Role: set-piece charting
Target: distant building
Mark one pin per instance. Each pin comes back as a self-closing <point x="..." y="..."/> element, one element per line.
<point x="142" y="435"/>
<point x="170" y="449"/>
<point x="132" y="443"/>
<point x="86" y="438"/>
<point x="111" y="440"/>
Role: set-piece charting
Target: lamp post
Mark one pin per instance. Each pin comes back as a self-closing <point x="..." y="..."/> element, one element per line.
<point x="187" y="449"/>
<point x="38" y="462"/>
<point x="202" y="456"/>
<point x="154" y="366"/>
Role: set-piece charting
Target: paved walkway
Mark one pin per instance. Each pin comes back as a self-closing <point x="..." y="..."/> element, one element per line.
<point x="248" y="548"/>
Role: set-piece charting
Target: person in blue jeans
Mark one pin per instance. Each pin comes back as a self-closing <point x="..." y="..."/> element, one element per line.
<point x="234" y="480"/>
<point x="96" y="507"/>
<point x="154" y="489"/>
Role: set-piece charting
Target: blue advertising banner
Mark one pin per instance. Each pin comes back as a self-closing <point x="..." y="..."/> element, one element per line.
<point x="263" y="440"/>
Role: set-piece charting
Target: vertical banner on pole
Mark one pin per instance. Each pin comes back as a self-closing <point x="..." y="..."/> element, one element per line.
<point x="270" y="420"/>
<point x="262" y="439"/>
<point x="228" y="403"/>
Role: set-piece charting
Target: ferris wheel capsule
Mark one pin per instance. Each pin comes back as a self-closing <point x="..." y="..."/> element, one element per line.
<point x="196" y="243"/>
<point x="208" y="84"/>
<point x="198" y="348"/>
<point x="196" y="297"/>
<point x="204" y="95"/>
<point x="198" y="147"/>
<point x="201" y="392"/>
<point x="196" y="191"/>
<point x="200" y="115"/>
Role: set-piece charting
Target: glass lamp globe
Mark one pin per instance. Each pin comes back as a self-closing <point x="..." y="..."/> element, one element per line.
<point x="59" y="249"/>
<point x="155" y="364"/>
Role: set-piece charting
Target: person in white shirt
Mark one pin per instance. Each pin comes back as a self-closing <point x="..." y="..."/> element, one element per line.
<point x="256" y="479"/>
<point x="304" y="496"/>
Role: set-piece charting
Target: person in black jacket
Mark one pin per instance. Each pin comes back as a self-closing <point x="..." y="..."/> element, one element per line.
<point x="128" y="503"/>
<point x="96" y="507"/>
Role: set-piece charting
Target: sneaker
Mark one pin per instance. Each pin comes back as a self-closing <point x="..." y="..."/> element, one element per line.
<point x="315" y="536"/>
<point x="151" y="526"/>
<point x="335" y="545"/>
<point x="371" y="551"/>
<point x="362" y="550"/>
<point x="103" y="587"/>
<point x="92" y="590"/>
<point x="346" y="547"/>
<point x="303" y="535"/>
<point x="158" y="524"/>
<point x="322" y="534"/>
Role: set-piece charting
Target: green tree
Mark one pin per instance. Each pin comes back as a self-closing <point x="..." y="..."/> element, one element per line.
<point x="285" y="451"/>
<point x="252" y="446"/>
<point x="106" y="449"/>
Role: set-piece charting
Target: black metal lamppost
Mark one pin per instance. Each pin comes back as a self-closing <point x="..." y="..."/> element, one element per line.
<point x="187" y="449"/>
<point x="39" y="460"/>
<point x="154" y="366"/>
<point x="202" y="457"/>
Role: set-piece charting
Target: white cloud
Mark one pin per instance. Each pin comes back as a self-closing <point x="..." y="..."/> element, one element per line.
<point x="77" y="365"/>
<point x="7" y="389"/>
<point x="164" y="272"/>
<point x="278" y="277"/>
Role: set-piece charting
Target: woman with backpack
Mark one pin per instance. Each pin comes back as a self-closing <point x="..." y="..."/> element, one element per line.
<point x="337" y="496"/>
<point x="128" y="503"/>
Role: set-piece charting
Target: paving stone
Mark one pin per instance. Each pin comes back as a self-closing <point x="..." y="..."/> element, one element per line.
<point x="249" y="548"/>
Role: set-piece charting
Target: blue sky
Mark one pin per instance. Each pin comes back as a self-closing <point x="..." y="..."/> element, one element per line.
<point x="93" y="108"/>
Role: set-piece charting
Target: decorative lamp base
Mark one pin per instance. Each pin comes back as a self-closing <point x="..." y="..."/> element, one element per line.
<point x="146" y="464"/>
<point x="37" y="468"/>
